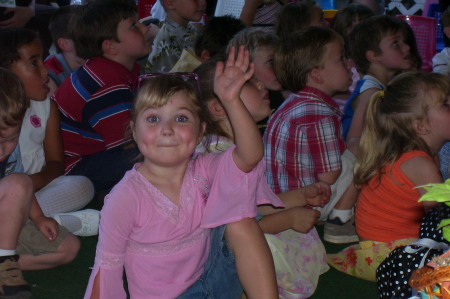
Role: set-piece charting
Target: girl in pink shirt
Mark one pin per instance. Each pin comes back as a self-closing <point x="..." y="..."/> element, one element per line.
<point x="156" y="221"/>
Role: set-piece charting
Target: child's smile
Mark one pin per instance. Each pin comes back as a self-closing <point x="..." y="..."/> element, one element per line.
<point x="168" y="135"/>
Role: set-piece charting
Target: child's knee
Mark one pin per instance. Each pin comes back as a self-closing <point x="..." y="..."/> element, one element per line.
<point x="16" y="189"/>
<point x="69" y="247"/>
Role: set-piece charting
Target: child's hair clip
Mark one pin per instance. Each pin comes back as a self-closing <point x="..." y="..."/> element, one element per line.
<point x="381" y="93"/>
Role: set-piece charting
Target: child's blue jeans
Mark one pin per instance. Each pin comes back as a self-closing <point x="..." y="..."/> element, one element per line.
<point x="219" y="280"/>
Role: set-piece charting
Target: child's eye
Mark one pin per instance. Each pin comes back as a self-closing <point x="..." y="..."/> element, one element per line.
<point x="396" y="43"/>
<point x="152" y="119"/>
<point x="181" y="119"/>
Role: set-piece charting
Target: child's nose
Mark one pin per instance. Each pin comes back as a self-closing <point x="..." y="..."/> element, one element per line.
<point x="166" y="128"/>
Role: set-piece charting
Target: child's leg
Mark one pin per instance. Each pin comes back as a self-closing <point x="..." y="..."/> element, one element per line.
<point x="254" y="261"/>
<point x="15" y="204"/>
<point x="37" y="253"/>
<point x="16" y="191"/>
<point x="65" y="194"/>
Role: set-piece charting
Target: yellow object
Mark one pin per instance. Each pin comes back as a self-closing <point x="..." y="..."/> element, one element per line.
<point x="329" y="13"/>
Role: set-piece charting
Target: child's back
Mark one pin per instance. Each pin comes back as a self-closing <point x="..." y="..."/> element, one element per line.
<point x="302" y="141"/>
<point x="95" y="103"/>
<point x="176" y="34"/>
<point x="388" y="213"/>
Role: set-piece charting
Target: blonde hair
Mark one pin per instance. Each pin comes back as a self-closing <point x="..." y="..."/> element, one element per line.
<point x="254" y="39"/>
<point x="13" y="100"/>
<point x="388" y="130"/>
<point x="157" y="91"/>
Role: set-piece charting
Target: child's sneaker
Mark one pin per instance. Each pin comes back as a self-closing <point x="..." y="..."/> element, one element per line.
<point x="12" y="284"/>
<point x="338" y="232"/>
<point x="86" y="224"/>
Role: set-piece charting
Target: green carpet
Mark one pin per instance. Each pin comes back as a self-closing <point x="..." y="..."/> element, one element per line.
<point x="70" y="281"/>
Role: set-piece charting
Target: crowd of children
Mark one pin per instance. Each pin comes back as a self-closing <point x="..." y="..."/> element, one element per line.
<point x="215" y="162"/>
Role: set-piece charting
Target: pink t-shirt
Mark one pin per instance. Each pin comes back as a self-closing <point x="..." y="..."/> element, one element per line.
<point x="164" y="246"/>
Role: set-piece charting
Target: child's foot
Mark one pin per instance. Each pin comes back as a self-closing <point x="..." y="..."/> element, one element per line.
<point x="12" y="284"/>
<point x="80" y="223"/>
<point x="336" y="231"/>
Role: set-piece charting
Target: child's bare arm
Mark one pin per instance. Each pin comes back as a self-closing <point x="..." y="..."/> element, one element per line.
<point x="53" y="149"/>
<point x="298" y="218"/>
<point x="355" y="130"/>
<point x="248" y="11"/>
<point x="47" y="226"/>
<point x="316" y="195"/>
<point x="228" y="82"/>
<point x="329" y="177"/>
<point x="429" y="173"/>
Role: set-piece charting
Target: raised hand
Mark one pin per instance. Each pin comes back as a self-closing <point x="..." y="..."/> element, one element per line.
<point x="230" y="77"/>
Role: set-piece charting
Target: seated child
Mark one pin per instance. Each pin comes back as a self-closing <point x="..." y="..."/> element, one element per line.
<point x="62" y="64"/>
<point x="212" y="40"/>
<point x="41" y="146"/>
<point x="176" y="34"/>
<point x="261" y="13"/>
<point x="24" y="244"/>
<point x="298" y="16"/>
<point x="262" y="44"/>
<point x="441" y="61"/>
<point x="313" y="65"/>
<point x="378" y="57"/>
<point x="299" y="257"/>
<point x="343" y="23"/>
<point x="215" y="36"/>
<point x="95" y="103"/>
<point x="413" y="111"/>
<point x="183" y="196"/>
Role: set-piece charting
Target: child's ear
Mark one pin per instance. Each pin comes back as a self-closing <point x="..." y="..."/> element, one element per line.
<point x="421" y="127"/>
<point x="65" y="44"/>
<point x="371" y="56"/>
<point x="315" y="75"/>
<point x="204" y="56"/>
<point x="447" y="31"/>
<point x="216" y="109"/>
<point x="168" y="4"/>
<point x="109" y="47"/>
<point x="202" y="132"/>
<point x="132" y="130"/>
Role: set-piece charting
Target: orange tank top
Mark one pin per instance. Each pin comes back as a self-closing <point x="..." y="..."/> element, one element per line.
<point x="388" y="209"/>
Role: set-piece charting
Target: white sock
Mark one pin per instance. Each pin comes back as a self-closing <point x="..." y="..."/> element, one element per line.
<point x="7" y="252"/>
<point x="344" y="215"/>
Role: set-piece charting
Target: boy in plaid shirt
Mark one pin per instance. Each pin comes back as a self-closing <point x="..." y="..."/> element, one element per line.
<point x="303" y="140"/>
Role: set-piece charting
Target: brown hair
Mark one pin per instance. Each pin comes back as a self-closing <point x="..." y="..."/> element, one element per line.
<point x="299" y="53"/>
<point x="96" y="22"/>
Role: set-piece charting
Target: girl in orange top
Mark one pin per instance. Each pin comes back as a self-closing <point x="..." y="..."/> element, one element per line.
<point x="405" y="127"/>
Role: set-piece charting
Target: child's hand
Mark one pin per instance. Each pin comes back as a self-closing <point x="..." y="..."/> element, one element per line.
<point x="317" y="194"/>
<point x="303" y="219"/>
<point x="47" y="226"/>
<point x="231" y="77"/>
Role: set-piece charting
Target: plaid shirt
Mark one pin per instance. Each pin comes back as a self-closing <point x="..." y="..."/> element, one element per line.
<point x="302" y="140"/>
